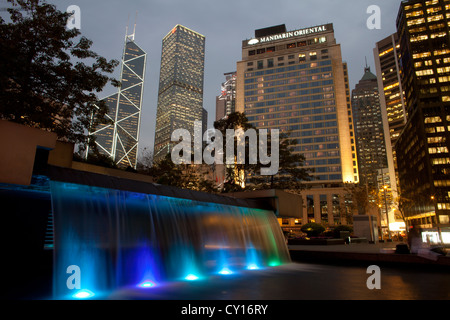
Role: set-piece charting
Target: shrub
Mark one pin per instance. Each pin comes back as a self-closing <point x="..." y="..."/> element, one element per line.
<point x="312" y="229"/>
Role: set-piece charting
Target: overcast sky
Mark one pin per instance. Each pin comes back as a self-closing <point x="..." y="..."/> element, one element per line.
<point x="224" y="24"/>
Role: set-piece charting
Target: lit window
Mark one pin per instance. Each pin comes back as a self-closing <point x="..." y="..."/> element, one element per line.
<point x="416" y="21"/>
<point x="422" y="55"/>
<point x="414" y="14"/>
<point x="434" y="150"/>
<point x="431" y="2"/>
<point x="424" y="72"/>
<point x="441" y="52"/>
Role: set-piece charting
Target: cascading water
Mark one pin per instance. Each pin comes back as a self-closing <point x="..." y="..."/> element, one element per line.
<point x="119" y="239"/>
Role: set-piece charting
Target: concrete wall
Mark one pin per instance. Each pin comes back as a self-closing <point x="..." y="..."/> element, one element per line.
<point x="285" y="204"/>
<point x="18" y="145"/>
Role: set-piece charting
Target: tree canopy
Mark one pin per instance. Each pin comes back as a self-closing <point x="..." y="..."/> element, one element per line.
<point x="49" y="76"/>
<point x="290" y="176"/>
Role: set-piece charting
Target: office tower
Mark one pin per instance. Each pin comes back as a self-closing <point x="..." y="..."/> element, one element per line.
<point x="369" y="132"/>
<point x="423" y="156"/>
<point x="180" y="95"/>
<point x="296" y="81"/>
<point x="120" y="140"/>
<point x="387" y="64"/>
<point x="371" y="145"/>
<point x="226" y="101"/>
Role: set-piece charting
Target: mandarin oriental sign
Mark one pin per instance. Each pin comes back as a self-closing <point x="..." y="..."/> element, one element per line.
<point x="287" y="35"/>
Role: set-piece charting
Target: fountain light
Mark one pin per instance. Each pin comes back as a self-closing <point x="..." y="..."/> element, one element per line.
<point x="252" y="266"/>
<point x="225" y="271"/>
<point x="83" y="294"/>
<point x="191" y="277"/>
<point x="147" y="284"/>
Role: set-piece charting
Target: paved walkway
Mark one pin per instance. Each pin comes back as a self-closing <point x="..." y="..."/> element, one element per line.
<point x="386" y="247"/>
<point x="362" y="252"/>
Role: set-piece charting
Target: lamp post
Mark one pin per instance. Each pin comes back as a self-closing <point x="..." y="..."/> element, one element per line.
<point x="387" y="213"/>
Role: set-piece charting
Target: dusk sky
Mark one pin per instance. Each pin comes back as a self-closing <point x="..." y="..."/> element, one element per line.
<point x="224" y="24"/>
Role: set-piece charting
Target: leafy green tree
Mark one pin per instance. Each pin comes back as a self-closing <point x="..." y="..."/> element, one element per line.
<point x="44" y="79"/>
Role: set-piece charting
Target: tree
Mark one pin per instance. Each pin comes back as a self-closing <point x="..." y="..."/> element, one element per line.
<point x="184" y="176"/>
<point x="44" y="82"/>
<point x="145" y="161"/>
<point x="404" y="205"/>
<point x="236" y="174"/>
<point x="291" y="174"/>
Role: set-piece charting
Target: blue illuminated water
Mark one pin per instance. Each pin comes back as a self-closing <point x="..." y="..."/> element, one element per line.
<point x="121" y="239"/>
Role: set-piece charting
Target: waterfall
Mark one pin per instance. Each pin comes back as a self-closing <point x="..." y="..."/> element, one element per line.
<point x="119" y="239"/>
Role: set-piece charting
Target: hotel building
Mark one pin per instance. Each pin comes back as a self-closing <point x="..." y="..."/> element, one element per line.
<point x="296" y="81"/>
<point x="422" y="149"/>
<point x="180" y="95"/>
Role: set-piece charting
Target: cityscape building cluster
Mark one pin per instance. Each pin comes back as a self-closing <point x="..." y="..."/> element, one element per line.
<point x="389" y="134"/>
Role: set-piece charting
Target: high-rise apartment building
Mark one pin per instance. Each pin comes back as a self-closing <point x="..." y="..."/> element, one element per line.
<point x="120" y="140"/>
<point x="296" y="81"/>
<point x="180" y="95"/>
<point x="422" y="149"/>
<point x="226" y="101"/>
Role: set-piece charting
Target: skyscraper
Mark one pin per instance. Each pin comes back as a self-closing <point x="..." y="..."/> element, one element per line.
<point x="422" y="149"/>
<point x="393" y="109"/>
<point x="226" y="101"/>
<point x="120" y="140"/>
<point x="296" y="81"/>
<point x="372" y="143"/>
<point x="180" y="95"/>
<point x="369" y="132"/>
<point x="387" y="64"/>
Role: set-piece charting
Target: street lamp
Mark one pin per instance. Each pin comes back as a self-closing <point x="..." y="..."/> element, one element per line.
<point x="387" y="213"/>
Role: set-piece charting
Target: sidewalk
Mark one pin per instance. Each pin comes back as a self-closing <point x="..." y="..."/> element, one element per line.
<point x="365" y="252"/>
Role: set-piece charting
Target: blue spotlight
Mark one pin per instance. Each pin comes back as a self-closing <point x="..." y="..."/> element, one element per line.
<point x="83" y="294"/>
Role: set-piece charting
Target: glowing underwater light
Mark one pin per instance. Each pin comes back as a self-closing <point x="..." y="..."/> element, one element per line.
<point x="147" y="284"/>
<point x="252" y="266"/>
<point x="191" y="277"/>
<point x="274" y="263"/>
<point x="225" y="271"/>
<point x="83" y="294"/>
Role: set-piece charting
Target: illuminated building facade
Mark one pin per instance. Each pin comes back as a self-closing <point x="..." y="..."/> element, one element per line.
<point x="387" y="63"/>
<point x="296" y="81"/>
<point x="226" y="101"/>
<point x="180" y="95"/>
<point x="120" y="140"/>
<point x="369" y="132"/>
<point x="423" y="156"/>
<point x="373" y="143"/>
